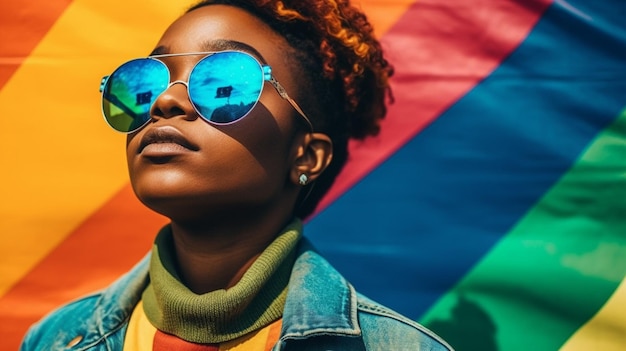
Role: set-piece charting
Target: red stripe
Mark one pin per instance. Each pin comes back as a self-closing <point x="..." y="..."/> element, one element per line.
<point x="441" y="50"/>
<point x="24" y="23"/>
<point x="96" y="253"/>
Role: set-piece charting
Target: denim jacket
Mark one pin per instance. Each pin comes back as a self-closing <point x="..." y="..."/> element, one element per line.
<point x="322" y="312"/>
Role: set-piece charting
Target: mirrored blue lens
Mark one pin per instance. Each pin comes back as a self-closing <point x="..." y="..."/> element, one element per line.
<point x="225" y="86"/>
<point x="130" y="92"/>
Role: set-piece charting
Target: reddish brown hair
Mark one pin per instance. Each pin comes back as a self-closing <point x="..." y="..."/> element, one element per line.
<point x="348" y="77"/>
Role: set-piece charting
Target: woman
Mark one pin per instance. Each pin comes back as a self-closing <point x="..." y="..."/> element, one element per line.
<point x="237" y="125"/>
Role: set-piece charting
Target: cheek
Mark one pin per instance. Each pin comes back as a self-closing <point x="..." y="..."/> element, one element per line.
<point x="132" y="146"/>
<point x="263" y="139"/>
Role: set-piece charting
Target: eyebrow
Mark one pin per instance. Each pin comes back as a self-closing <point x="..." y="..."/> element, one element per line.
<point x="216" y="45"/>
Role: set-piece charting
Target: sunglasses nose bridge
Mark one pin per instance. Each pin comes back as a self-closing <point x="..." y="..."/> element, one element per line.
<point x="178" y="82"/>
<point x="184" y="83"/>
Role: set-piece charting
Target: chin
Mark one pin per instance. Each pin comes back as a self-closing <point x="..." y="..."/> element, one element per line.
<point x="161" y="198"/>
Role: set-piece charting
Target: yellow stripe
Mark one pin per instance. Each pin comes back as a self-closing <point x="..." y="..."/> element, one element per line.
<point x="606" y="331"/>
<point x="60" y="160"/>
<point x="140" y="333"/>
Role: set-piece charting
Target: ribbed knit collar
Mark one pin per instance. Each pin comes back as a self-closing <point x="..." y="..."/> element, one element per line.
<point x="222" y="315"/>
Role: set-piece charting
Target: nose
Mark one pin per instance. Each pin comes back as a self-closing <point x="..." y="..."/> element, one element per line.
<point x="174" y="102"/>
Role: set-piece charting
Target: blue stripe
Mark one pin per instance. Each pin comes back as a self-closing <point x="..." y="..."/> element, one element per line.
<point x="412" y="228"/>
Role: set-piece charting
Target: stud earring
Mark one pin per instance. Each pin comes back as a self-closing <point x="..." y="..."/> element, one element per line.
<point x="303" y="179"/>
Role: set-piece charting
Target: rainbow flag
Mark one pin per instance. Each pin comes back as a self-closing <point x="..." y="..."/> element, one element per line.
<point x="492" y="207"/>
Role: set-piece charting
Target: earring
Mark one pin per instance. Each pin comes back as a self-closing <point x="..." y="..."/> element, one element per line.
<point x="303" y="179"/>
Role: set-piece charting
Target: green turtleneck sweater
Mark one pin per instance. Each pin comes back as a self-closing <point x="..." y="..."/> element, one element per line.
<point x="254" y="302"/>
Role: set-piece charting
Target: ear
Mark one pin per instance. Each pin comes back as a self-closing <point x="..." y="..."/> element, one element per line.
<point x="313" y="156"/>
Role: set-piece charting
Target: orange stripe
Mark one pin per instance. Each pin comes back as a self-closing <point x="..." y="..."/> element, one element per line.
<point x="383" y="14"/>
<point x="61" y="161"/>
<point x="24" y="24"/>
<point x="273" y="335"/>
<point x="86" y="261"/>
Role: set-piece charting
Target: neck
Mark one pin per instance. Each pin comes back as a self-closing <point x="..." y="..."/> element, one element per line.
<point x="255" y="301"/>
<point x="214" y="255"/>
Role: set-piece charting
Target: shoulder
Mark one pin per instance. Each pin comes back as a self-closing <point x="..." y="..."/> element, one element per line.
<point x="318" y="292"/>
<point x="56" y="330"/>
<point x="380" y="324"/>
<point x="91" y="318"/>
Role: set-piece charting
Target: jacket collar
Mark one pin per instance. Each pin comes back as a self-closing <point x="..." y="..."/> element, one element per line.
<point x="319" y="300"/>
<point x="117" y="302"/>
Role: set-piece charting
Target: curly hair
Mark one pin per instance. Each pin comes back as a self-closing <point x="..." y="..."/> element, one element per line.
<point x="349" y="98"/>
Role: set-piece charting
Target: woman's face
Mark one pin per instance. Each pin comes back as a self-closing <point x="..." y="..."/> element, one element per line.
<point x="186" y="168"/>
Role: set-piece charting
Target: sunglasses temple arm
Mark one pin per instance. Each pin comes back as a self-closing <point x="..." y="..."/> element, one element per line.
<point x="283" y="93"/>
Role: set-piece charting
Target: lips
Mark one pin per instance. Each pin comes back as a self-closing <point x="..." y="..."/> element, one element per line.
<point x="165" y="140"/>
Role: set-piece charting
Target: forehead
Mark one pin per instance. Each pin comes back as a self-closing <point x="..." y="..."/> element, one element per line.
<point x="211" y="27"/>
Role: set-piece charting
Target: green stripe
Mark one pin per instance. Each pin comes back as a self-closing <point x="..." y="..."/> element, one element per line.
<point x="555" y="269"/>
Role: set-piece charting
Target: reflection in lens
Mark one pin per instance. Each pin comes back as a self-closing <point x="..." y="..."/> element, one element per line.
<point x="130" y="92"/>
<point x="225" y="86"/>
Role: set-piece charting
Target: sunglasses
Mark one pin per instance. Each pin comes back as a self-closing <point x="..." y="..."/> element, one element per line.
<point x="223" y="88"/>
